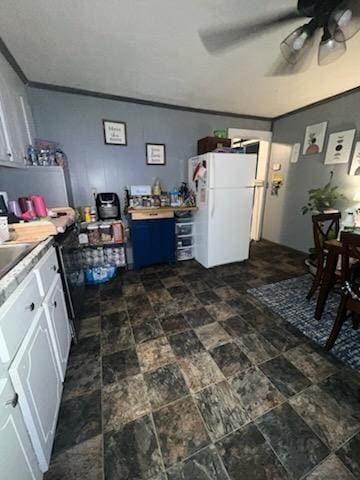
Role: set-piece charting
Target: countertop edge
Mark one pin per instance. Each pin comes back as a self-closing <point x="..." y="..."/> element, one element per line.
<point x="17" y="274"/>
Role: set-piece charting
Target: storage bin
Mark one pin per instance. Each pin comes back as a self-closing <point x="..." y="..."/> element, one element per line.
<point x="184" y="229"/>
<point x="184" y="242"/>
<point x="185" y="254"/>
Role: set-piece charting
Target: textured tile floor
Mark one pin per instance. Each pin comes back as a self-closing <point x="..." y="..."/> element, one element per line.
<point x="181" y="375"/>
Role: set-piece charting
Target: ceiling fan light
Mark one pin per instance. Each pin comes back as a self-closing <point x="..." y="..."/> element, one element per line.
<point x="343" y="18"/>
<point x="330" y="50"/>
<point x="346" y="16"/>
<point x="293" y="44"/>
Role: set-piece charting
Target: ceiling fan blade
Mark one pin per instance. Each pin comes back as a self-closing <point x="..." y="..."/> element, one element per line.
<point x="216" y="40"/>
<point x="331" y="49"/>
<point x="347" y="18"/>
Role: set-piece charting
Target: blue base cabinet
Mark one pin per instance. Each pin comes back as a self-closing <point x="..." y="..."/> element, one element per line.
<point x="153" y="242"/>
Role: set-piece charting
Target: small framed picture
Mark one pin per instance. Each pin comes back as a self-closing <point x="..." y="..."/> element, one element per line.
<point x="339" y="147"/>
<point x="155" y="153"/>
<point x="355" y="163"/>
<point x="114" y="132"/>
<point x="314" y="138"/>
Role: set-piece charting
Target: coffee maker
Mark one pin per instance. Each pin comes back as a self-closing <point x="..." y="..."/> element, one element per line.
<point x="108" y="206"/>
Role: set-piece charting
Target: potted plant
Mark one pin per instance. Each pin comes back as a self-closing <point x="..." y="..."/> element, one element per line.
<point x="323" y="199"/>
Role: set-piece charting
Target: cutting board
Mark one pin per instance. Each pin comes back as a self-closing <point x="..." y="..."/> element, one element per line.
<point x="43" y="228"/>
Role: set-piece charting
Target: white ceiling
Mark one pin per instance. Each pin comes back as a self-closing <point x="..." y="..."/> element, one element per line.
<point x="150" y="49"/>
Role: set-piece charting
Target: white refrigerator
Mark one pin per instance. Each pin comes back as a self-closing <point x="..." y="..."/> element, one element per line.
<point x="224" y="184"/>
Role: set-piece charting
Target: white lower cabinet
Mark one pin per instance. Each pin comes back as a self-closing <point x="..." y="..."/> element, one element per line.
<point x="59" y="327"/>
<point x="17" y="458"/>
<point x="35" y="376"/>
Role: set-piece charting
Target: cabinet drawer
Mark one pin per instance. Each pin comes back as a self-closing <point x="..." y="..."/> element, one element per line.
<point x="152" y="215"/>
<point x="46" y="270"/>
<point x="16" y="316"/>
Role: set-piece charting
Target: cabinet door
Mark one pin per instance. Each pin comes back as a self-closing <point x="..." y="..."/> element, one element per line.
<point x="18" y="131"/>
<point x="5" y="150"/>
<point x="59" y="326"/>
<point x="17" y="458"/>
<point x="36" y="378"/>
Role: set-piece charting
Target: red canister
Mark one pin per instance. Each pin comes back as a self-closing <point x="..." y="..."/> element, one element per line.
<point x="39" y="205"/>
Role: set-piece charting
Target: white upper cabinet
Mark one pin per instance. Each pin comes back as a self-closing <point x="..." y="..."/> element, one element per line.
<point x="16" y="124"/>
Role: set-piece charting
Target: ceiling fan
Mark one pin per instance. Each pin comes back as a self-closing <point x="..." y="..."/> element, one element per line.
<point x="337" y="20"/>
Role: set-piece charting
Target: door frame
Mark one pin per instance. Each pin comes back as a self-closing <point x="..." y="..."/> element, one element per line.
<point x="265" y="140"/>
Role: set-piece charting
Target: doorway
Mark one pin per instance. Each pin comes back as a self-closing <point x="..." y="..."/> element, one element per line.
<point x="262" y="140"/>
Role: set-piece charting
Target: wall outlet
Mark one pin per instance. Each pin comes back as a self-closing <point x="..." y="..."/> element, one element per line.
<point x="93" y="192"/>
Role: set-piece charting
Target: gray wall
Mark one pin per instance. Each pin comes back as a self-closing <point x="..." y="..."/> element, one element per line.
<point x="76" y="122"/>
<point x="284" y="222"/>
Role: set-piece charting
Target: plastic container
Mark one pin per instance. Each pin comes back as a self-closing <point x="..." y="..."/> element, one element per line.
<point x="184" y="228"/>
<point x="184" y="242"/>
<point x="93" y="233"/>
<point x="97" y="275"/>
<point x="105" y="232"/>
<point x="185" y="254"/>
<point x="118" y="232"/>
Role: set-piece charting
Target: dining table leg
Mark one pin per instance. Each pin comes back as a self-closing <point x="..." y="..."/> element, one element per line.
<point x="327" y="281"/>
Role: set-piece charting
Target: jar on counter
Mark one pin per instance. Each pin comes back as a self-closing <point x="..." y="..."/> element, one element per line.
<point x="105" y="232"/>
<point x="93" y="233"/>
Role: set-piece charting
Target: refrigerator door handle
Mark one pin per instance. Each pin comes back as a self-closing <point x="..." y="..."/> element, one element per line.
<point x="213" y="204"/>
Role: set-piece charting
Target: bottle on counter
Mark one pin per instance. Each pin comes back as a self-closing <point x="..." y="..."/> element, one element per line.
<point x="87" y="216"/>
<point x="93" y="216"/>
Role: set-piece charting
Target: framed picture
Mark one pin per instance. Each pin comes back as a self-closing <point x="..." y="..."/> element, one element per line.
<point x="339" y="147"/>
<point x="114" y="132"/>
<point x="355" y="162"/>
<point x="155" y="154"/>
<point x="314" y="138"/>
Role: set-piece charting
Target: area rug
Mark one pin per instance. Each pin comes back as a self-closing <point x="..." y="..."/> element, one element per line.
<point x="288" y="300"/>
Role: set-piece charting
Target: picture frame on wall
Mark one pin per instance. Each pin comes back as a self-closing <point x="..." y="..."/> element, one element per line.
<point x="314" y="138"/>
<point x="339" y="147"/>
<point x="114" y="133"/>
<point x="355" y="162"/>
<point x="155" y="153"/>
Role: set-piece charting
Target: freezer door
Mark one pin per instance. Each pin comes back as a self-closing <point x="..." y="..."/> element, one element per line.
<point x="231" y="170"/>
<point x="230" y="212"/>
<point x="193" y="164"/>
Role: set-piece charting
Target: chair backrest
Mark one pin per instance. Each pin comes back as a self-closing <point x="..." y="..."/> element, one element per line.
<point x="350" y="252"/>
<point x="326" y="226"/>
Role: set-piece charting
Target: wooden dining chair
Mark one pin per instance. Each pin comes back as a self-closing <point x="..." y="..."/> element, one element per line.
<point x="349" y="306"/>
<point x="326" y="226"/>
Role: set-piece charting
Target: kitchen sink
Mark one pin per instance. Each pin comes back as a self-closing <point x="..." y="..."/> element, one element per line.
<point x="10" y="255"/>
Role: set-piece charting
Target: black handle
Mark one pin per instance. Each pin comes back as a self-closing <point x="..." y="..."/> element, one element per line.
<point x="54" y="268"/>
<point x="55" y="304"/>
<point x="31" y="307"/>
<point x="14" y="401"/>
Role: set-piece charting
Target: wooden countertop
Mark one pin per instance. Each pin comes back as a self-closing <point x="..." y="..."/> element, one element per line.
<point x="38" y="230"/>
<point x="161" y="209"/>
<point x="157" y="213"/>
